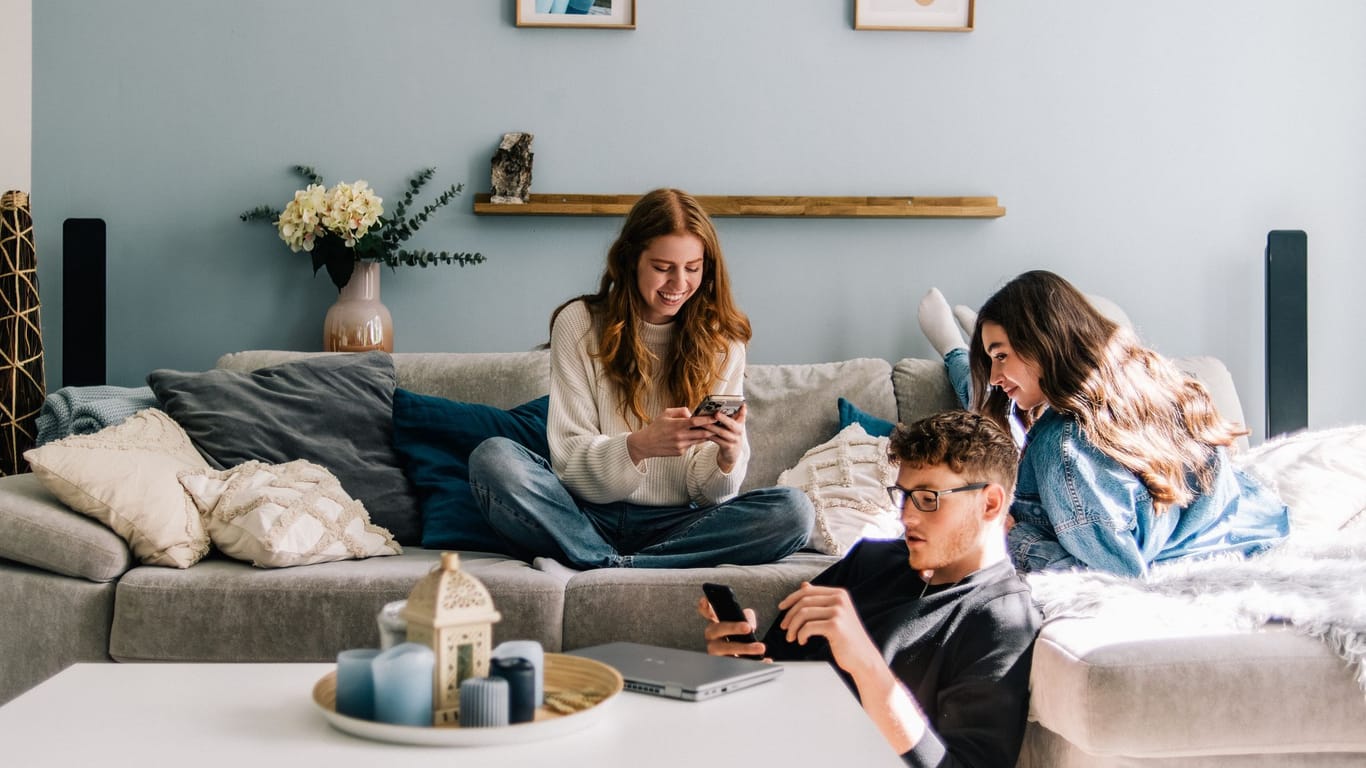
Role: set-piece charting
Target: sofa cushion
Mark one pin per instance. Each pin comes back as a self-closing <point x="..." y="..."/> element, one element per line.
<point x="1112" y="685"/>
<point x="872" y="425"/>
<point x="125" y="477"/>
<point x="226" y="611"/>
<point x="501" y="379"/>
<point x="1212" y="372"/>
<point x="281" y="515"/>
<point x="434" y="437"/>
<point x="333" y="410"/>
<point x="922" y="389"/>
<point x="37" y="529"/>
<point x="659" y="607"/>
<point x="846" y="479"/>
<point x="793" y="408"/>
<point x="49" y="622"/>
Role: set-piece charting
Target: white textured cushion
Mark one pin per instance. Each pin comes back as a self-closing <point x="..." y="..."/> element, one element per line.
<point x="125" y="477"/>
<point x="1320" y="475"/>
<point x="846" y="479"/>
<point x="278" y="515"/>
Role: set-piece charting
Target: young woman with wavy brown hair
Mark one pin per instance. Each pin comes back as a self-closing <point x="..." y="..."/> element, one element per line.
<point x="1125" y="462"/>
<point x="634" y="478"/>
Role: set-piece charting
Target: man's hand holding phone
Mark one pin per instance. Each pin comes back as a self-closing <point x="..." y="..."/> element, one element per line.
<point x="730" y="631"/>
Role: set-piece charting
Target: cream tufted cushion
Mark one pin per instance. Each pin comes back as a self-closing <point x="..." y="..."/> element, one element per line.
<point x="125" y="477"/>
<point x="846" y="479"/>
<point x="278" y="515"/>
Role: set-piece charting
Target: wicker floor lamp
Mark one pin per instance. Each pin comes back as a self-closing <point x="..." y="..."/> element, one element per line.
<point x="21" y="339"/>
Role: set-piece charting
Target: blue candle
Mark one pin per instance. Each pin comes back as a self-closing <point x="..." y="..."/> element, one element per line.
<point x="483" y="702"/>
<point x="403" y="684"/>
<point x="355" y="684"/>
<point x="521" y="677"/>
<point x="532" y="652"/>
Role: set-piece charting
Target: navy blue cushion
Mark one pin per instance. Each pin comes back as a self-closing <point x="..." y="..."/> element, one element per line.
<point x="850" y="414"/>
<point x="433" y="437"/>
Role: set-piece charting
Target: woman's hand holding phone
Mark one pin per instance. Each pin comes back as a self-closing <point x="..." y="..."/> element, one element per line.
<point x="670" y="434"/>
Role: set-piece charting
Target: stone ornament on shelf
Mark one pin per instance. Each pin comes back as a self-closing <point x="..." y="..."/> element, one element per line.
<point x="451" y="612"/>
<point x="512" y="169"/>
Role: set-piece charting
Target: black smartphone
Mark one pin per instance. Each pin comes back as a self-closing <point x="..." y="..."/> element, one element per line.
<point x="714" y="404"/>
<point x="727" y="608"/>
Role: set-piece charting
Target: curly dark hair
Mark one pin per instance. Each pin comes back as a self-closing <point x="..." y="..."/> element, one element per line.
<point x="969" y="444"/>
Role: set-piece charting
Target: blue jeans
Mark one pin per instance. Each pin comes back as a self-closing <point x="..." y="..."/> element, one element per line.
<point x="527" y="504"/>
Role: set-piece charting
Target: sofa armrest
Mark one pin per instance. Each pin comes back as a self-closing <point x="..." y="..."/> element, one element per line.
<point x="38" y="530"/>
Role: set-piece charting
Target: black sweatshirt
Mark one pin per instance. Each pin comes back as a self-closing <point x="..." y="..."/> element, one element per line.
<point x="963" y="650"/>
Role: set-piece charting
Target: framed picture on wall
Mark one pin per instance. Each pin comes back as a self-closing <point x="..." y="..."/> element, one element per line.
<point x="921" y="15"/>
<point x="593" y="14"/>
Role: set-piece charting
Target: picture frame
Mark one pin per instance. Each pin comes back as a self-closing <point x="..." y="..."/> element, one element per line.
<point x="915" y="15"/>
<point x="584" y="14"/>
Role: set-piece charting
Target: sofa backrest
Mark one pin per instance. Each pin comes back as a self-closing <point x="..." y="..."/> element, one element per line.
<point x="792" y="407"/>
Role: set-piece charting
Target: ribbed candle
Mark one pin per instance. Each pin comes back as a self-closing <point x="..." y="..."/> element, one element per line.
<point x="483" y="702"/>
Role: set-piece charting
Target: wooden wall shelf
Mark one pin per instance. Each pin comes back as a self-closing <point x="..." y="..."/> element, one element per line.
<point x="757" y="205"/>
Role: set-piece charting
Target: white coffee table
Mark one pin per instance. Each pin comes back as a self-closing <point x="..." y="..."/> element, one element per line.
<point x="236" y="715"/>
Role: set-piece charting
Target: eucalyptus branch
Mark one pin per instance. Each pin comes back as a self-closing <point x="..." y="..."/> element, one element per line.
<point x="261" y="213"/>
<point x="309" y="174"/>
<point x="421" y="257"/>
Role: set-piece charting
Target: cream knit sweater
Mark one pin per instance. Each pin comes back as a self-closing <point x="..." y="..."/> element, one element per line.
<point x="587" y="433"/>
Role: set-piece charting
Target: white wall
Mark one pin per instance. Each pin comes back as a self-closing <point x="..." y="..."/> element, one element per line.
<point x="16" y="94"/>
<point x="1143" y="150"/>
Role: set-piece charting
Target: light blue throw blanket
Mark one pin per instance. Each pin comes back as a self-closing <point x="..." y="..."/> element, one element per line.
<point x="86" y="410"/>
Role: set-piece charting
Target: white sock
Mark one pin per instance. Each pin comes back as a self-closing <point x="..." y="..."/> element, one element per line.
<point x="936" y="321"/>
<point x="966" y="317"/>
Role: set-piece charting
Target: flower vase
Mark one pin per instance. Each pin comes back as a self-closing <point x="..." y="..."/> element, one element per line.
<point x="358" y="321"/>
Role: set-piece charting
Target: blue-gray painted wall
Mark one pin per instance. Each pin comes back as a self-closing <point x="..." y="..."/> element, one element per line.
<point x="1142" y="149"/>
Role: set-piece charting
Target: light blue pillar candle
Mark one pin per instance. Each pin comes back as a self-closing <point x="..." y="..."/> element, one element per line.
<point x="532" y="652"/>
<point x="483" y="702"/>
<point x="355" y="683"/>
<point x="403" y="684"/>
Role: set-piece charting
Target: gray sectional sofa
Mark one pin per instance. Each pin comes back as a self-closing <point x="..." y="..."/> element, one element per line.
<point x="70" y="591"/>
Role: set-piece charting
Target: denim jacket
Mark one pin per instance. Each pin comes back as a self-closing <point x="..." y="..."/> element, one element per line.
<point x="1075" y="506"/>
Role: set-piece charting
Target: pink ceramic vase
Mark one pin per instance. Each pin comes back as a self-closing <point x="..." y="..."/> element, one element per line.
<point x="358" y="322"/>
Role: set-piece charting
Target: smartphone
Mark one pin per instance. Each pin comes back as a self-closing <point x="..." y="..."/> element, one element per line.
<point x="727" y="608"/>
<point x="714" y="404"/>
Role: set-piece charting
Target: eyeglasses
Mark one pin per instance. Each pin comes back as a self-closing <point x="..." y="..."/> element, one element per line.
<point x="924" y="499"/>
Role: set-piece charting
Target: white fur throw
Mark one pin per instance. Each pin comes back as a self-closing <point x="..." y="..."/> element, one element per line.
<point x="1320" y="475"/>
<point x="846" y="479"/>
<point x="1313" y="582"/>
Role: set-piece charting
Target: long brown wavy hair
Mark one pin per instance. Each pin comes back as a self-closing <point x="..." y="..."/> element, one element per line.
<point x="1133" y="404"/>
<point x="706" y="325"/>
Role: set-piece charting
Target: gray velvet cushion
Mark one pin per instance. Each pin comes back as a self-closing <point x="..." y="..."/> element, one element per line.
<point x="38" y="530"/>
<point x="333" y="410"/>
<point x="227" y="611"/>
<point x="500" y="379"/>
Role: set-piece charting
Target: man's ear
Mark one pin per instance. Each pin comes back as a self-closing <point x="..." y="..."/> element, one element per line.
<point x="997" y="503"/>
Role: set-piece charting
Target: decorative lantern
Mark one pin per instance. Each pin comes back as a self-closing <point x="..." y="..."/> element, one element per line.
<point x="452" y="612"/>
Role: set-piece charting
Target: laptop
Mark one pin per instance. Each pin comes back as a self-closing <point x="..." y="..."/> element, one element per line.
<point x="679" y="674"/>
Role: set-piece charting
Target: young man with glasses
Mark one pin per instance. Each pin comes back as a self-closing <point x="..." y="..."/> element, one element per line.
<point x="933" y="631"/>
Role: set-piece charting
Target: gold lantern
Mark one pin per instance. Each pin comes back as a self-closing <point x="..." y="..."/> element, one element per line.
<point x="452" y="612"/>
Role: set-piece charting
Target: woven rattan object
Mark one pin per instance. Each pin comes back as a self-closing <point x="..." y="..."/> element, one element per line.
<point x="21" y="337"/>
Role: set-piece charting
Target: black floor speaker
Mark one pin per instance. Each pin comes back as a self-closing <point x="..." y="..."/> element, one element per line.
<point x="83" y="302"/>
<point x="1287" y="332"/>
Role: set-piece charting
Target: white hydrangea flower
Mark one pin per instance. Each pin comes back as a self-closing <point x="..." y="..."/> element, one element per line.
<point x="351" y="210"/>
<point x="302" y="220"/>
